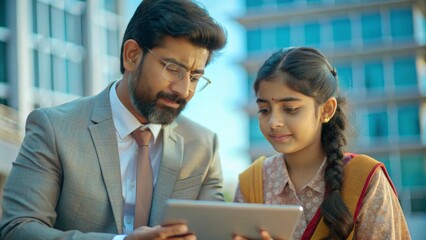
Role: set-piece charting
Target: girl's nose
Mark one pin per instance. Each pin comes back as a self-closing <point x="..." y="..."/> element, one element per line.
<point x="276" y="121"/>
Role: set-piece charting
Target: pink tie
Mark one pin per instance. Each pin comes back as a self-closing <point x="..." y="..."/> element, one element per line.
<point x="144" y="184"/>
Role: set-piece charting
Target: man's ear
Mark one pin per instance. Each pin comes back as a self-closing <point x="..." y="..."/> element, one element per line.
<point x="328" y="109"/>
<point x="131" y="55"/>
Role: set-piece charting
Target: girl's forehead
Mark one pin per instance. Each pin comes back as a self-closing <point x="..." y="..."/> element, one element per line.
<point x="277" y="92"/>
<point x="273" y="90"/>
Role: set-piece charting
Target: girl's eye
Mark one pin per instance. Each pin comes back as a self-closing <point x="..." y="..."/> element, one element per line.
<point x="263" y="110"/>
<point x="290" y="110"/>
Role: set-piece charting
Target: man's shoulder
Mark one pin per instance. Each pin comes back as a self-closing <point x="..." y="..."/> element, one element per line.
<point x="72" y="107"/>
<point x="78" y="111"/>
<point x="79" y="106"/>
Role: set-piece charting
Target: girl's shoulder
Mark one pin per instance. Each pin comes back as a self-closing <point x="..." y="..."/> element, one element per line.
<point x="273" y="160"/>
<point x="358" y="165"/>
<point x="261" y="163"/>
<point x="349" y="157"/>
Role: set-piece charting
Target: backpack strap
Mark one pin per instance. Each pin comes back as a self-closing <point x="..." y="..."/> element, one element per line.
<point x="357" y="175"/>
<point x="251" y="182"/>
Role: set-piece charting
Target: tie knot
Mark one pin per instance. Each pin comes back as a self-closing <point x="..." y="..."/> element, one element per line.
<point x="142" y="137"/>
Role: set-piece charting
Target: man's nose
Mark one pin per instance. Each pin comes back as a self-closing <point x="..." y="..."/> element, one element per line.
<point x="182" y="87"/>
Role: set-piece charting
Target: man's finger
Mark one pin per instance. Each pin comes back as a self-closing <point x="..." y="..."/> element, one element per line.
<point x="177" y="230"/>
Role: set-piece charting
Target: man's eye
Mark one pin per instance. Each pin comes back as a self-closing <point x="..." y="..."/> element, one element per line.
<point x="195" y="77"/>
<point x="172" y="67"/>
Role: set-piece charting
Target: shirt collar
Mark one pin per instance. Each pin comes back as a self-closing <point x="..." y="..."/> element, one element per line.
<point x="318" y="183"/>
<point x="282" y="178"/>
<point x="124" y="121"/>
<point x="278" y="173"/>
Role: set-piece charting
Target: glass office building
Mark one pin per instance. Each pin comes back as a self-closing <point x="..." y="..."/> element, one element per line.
<point x="379" y="50"/>
<point x="53" y="51"/>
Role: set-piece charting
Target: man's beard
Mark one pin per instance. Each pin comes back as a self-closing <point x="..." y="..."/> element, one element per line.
<point x="146" y="104"/>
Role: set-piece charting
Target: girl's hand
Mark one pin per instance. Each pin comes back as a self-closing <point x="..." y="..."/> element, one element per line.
<point x="264" y="234"/>
<point x="238" y="237"/>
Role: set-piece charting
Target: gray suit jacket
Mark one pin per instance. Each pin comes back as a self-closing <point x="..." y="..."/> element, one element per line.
<point x="66" y="183"/>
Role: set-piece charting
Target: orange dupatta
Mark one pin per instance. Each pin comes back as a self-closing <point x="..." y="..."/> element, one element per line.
<point x="357" y="175"/>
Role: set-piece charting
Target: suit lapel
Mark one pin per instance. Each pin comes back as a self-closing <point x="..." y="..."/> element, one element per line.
<point x="169" y="170"/>
<point x="105" y="142"/>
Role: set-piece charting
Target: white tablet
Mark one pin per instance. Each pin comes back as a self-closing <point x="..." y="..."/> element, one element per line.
<point x="221" y="220"/>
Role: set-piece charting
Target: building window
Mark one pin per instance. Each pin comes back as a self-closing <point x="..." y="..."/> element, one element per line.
<point x="59" y="74"/>
<point x="418" y="202"/>
<point x="285" y="2"/>
<point x="250" y="83"/>
<point x="401" y="24"/>
<point x="44" y="70"/>
<point x="254" y="40"/>
<point x="405" y="72"/>
<point x="413" y="171"/>
<point x="34" y="16"/>
<point x="254" y="3"/>
<point x="313" y="2"/>
<point x="4" y="101"/>
<point x="312" y="34"/>
<point x="339" y="2"/>
<point x="73" y="26"/>
<point x="3" y="13"/>
<point x="36" y="67"/>
<point x="371" y="27"/>
<point x="43" y="19"/>
<point x="256" y="136"/>
<point x="74" y="77"/>
<point x="374" y="79"/>
<point x="378" y="125"/>
<point x="111" y="6"/>
<point x="58" y="24"/>
<point x="268" y="37"/>
<point x="52" y="73"/>
<point x="342" y="31"/>
<point x="408" y="121"/>
<point x="3" y="62"/>
<point x="112" y="42"/>
<point x="344" y="73"/>
<point x="283" y="36"/>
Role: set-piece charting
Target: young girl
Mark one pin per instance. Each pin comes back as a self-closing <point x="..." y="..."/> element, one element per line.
<point x="344" y="196"/>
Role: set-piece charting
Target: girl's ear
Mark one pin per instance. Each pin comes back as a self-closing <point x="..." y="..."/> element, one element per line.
<point x="328" y="109"/>
<point x="131" y="55"/>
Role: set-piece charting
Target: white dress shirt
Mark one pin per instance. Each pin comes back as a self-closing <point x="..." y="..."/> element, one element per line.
<point x="125" y="123"/>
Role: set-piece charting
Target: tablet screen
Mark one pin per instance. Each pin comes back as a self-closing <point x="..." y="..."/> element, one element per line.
<point x="221" y="220"/>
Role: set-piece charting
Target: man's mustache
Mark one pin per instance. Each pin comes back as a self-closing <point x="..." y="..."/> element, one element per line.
<point x="172" y="97"/>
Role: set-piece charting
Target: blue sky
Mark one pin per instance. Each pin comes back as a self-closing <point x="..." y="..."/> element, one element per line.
<point x="220" y="106"/>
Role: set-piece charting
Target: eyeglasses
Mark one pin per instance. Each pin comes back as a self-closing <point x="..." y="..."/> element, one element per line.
<point x="173" y="73"/>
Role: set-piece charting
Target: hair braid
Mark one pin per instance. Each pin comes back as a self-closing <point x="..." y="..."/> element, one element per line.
<point x="336" y="214"/>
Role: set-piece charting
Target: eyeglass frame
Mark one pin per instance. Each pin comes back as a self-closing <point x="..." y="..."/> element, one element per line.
<point x="187" y="72"/>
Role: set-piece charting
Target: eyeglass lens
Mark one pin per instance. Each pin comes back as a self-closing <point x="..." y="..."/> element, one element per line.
<point x="173" y="72"/>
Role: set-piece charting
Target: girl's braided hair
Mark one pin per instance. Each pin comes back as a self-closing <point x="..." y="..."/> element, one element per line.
<point x="309" y="72"/>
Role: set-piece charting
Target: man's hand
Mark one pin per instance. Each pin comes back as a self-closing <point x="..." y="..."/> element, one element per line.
<point x="174" y="232"/>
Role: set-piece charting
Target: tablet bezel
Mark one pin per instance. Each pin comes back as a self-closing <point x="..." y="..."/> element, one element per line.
<point x="221" y="220"/>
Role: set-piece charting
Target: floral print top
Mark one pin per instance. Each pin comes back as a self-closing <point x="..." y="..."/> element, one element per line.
<point x="380" y="217"/>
